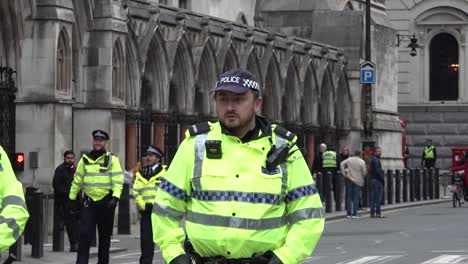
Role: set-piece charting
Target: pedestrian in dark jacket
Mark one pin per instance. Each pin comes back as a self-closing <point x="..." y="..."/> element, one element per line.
<point x="64" y="216"/>
<point x="377" y="176"/>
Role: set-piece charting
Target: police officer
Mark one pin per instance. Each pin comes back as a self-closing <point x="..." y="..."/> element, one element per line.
<point x="144" y="191"/>
<point x="13" y="208"/>
<point x="61" y="182"/>
<point x="241" y="184"/>
<point x="429" y="155"/>
<point x="330" y="162"/>
<point x="99" y="174"/>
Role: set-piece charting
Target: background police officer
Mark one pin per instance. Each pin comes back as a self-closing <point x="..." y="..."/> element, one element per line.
<point x="99" y="174"/>
<point x="429" y="155"/>
<point x="63" y="177"/>
<point x="242" y="185"/>
<point x="330" y="162"/>
<point x="12" y="204"/>
<point x="144" y="190"/>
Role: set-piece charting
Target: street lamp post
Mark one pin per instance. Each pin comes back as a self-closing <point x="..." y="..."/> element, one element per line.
<point x="367" y="88"/>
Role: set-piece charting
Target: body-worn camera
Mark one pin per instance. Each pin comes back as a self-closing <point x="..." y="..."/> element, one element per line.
<point x="213" y="149"/>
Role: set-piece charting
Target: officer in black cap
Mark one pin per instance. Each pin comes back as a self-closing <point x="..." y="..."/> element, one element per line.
<point x="144" y="190"/>
<point x="100" y="176"/>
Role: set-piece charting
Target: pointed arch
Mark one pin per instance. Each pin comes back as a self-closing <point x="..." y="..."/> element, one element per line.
<point x="132" y="89"/>
<point x="231" y="60"/>
<point x="292" y="96"/>
<point x="310" y="99"/>
<point x="181" y="93"/>
<point x="206" y="79"/>
<point x="118" y="71"/>
<point x="272" y="91"/>
<point x="154" y="87"/>
<point x="327" y="101"/>
<point x="63" y="64"/>
<point x="343" y="113"/>
<point x="253" y="66"/>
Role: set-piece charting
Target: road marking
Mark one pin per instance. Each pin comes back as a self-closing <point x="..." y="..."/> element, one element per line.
<point x="374" y="259"/>
<point x="131" y="254"/>
<point x="447" y="259"/>
<point x="450" y="251"/>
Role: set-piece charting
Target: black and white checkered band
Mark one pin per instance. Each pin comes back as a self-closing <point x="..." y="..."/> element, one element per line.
<point x="240" y="81"/>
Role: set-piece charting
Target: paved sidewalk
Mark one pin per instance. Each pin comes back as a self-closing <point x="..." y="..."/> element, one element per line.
<point x="122" y="243"/>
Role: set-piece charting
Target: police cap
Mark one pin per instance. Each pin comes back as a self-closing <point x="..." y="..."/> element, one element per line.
<point x="237" y="81"/>
<point x="154" y="150"/>
<point x="100" y="134"/>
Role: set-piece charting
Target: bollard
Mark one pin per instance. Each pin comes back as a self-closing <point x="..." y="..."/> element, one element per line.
<point x="30" y="205"/>
<point x="417" y="185"/>
<point x="436" y="183"/>
<point x="15" y="249"/>
<point x="424" y="184"/>
<point x="405" y="185"/>
<point x="319" y="184"/>
<point x="327" y="192"/>
<point x="389" y="188"/>
<point x="123" y="226"/>
<point x="58" y="243"/>
<point x="430" y="183"/>
<point x="397" y="186"/>
<point x="365" y="193"/>
<point x="337" y="191"/>
<point x="37" y="220"/>
<point x="412" y="185"/>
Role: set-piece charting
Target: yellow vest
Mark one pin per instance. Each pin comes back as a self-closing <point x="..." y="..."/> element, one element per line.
<point x="429" y="152"/>
<point x="98" y="177"/>
<point x="144" y="190"/>
<point x="12" y="204"/>
<point x="329" y="159"/>
<point x="233" y="206"/>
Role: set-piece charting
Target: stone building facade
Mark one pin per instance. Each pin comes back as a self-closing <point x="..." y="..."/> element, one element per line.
<point x="432" y="85"/>
<point x="143" y="71"/>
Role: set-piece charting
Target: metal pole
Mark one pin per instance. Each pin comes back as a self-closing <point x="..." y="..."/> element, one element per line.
<point x="368" y="30"/>
<point x="368" y="87"/>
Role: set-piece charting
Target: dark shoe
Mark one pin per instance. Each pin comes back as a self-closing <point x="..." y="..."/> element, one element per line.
<point x="74" y="248"/>
<point x="379" y="216"/>
<point x="372" y="216"/>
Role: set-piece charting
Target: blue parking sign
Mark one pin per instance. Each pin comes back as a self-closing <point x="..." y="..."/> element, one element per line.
<point x="367" y="72"/>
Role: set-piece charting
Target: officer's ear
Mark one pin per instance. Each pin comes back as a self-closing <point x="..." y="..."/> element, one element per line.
<point x="258" y="103"/>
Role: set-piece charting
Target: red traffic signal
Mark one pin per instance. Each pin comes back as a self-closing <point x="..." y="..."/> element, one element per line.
<point x="19" y="162"/>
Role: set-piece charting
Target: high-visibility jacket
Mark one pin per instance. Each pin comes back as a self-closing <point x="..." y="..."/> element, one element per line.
<point x="429" y="152"/>
<point x="234" y="206"/>
<point x="144" y="190"/>
<point x="13" y="210"/>
<point x="329" y="159"/>
<point x="98" y="177"/>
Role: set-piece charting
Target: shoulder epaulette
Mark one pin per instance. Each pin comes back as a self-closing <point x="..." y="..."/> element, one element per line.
<point x="199" y="128"/>
<point x="284" y="133"/>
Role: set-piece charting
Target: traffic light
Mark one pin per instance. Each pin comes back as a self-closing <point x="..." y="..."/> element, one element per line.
<point x="18" y="163"/>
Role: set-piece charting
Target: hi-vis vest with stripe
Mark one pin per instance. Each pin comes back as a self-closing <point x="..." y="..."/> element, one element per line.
<point x="98" y="177"/>
<point x="429" y="152"/>
<point x="233" y="206"/>
<point x="13" y="210"/>
<point x="144" y="190"/>
<point x="329" y="159"/>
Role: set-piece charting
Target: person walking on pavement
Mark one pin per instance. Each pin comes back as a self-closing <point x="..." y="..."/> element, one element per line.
<point x="330" y="162"/>
<point x="377" y="183"/>
<point x="62" y="180"/>
<point x="242" y="186"/>
<point x="99" y="174"/>
<point x="147" y="179"/>
<point x="429" y="155"/>
<point x="354" y="169"/>
<point x="13" y="210"/>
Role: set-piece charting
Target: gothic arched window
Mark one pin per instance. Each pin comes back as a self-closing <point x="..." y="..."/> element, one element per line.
<point x="118" y="72"/>
<point x="63" y="64"/>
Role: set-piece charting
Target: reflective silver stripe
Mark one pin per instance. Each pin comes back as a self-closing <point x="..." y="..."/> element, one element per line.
<point x="11" y="223"/>
<point x="13" y="200"/>
<point x="149" y="197"/>
<point x="166" y="211"/>
<point x="199" y="156"/>
<point x="306" y="213"/>
<point x="98" y="174"/>
<point x="118" y="173"/>
<point x="236" y="222"/>
<point x="147" y="189"/>
<point x="279" y="141"/>
<point x="98" y="185"/>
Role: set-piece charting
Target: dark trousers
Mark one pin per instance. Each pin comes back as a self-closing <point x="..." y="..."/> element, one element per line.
<point x="353" y="192"/>
<point x="429" y="163"/>
<point x="66" y="219"/>
<point x="335" y="185"/>
<point x="146" y="239"/>
<point x="96" y="213"/>
<point x="376" y="197"/>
